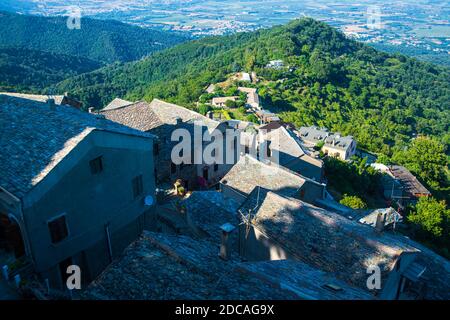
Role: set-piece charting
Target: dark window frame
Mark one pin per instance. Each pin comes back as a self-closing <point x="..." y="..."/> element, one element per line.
<point x="58" y="228"/>
<point x="138" y="186"/>
<point x="173" y="168"/>
<point x="96" y="165"/>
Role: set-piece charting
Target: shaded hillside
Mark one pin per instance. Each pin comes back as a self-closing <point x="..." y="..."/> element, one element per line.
<point x="99" y="40"/>
<point x="30" y="70"/>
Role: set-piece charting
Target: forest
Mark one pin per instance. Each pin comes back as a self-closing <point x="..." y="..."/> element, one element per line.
<point x="104" y="41"/>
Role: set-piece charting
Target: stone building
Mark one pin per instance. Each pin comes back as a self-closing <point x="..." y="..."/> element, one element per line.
<point x="75" y="188"/>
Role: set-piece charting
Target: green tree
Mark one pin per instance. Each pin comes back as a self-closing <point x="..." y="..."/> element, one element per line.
<point x="203" y="109"/>
<point x="426" y="158"/>
<point x="230" y="104"/>
<point x="252" y="118"/>
<point x="431" y="217"/>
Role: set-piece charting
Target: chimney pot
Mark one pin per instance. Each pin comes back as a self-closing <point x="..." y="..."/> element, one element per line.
<point x="91" y="109"/>
<point x="225" y="250"/>
<point x="379" y="224"/>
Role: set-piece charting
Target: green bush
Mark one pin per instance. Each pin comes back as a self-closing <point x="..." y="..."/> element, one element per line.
<point x="353" y="202"/>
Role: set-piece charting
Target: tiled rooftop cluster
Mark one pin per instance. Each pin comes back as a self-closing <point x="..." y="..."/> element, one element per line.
<point x="165" y="267"/>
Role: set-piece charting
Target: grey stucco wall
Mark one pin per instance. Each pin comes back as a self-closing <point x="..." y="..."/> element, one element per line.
<point x="91" y="201"/>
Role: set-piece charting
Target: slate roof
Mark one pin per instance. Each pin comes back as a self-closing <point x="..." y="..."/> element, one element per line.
<point x="138" y="116"/>
<point x="34" y="138"/>
<point x="411" y="186"/>
<point x="147" y="116"/>
<point x="289" y="147"/>
<point x="248" y="173"/>
<point x="324" y="239"/>
<point x="309" y="283"/>
<point x="313" y="134"/>
<point x="117" y="103"/>
<point x="170" y="267"/>
<point x="208" y="210"/>
<point x="339" y="142"/>
<point x="35" y="97"/>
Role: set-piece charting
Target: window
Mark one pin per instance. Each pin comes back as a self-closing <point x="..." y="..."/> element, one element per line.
<point x="155" y="149"/>
<point x="58" y="229"/>
<point x="173" y="168"/>
<point x="205" y="174"/>
<point x="302" y="193"/>
<point x="138" y="186"/>
<point x="247" y="149"/>
<point x="96" y="165"/>
<point x="269" y="151"/>
<point x="216" y="167"/>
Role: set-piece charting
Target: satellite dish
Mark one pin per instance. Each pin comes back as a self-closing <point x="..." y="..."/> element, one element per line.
<point x="149" y="200"/>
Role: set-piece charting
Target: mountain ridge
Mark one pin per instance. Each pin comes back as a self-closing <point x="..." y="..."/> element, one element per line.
<point x="105" y="41"/>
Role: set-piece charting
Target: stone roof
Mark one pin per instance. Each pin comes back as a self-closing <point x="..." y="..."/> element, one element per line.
<point x="208" y="210"/>
<point x="138" y="116"/>
<point x="338" y="142"/>
<point x="411" y="186"/>
<point x="289" y="147"/>
<point x="309" y="283"/>
<point x="174" y="267"/>
<point x="169" y="112"/>
<point x="170" y="267"/>
<point x="248" y="173"/>
<point x="148" y="116"/>
<point x="117" y="103"/>
<point x="35" y="97"/>
<point x="34" y="138"/>
<point x="313" y="134"/>
<point x="324" y="239"/>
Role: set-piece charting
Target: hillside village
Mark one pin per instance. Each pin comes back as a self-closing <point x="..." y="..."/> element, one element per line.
<point x="99" y="189"/>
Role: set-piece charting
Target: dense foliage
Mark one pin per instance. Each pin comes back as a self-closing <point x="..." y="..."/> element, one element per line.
<point x="26" y="70"/>
<point x="357" y="184"/>
<point x="431" y="223"/>
<point x="99" y="40"/>
<point x="426" y="158"/>
<point x="353" y="202"/>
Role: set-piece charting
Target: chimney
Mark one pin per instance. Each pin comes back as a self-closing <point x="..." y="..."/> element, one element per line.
<point x="225" y="246"/>
<point x="178" y="121"/>
<point x="379" y="224"/>
<point x="210" y="115"/>
<point x="91" y="109"/>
